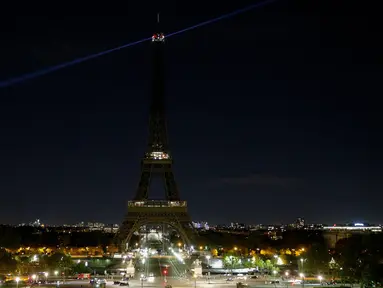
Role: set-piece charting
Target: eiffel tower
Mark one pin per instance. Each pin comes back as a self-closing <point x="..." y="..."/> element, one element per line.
<point x="157" y="161"/>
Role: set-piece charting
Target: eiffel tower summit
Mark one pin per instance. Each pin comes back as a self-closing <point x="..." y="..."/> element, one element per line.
<point x="157" y="162"/>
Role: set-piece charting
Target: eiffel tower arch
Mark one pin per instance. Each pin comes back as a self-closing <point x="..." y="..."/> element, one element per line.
<point x="157" y="162"/>
<point x="171" y="213"/>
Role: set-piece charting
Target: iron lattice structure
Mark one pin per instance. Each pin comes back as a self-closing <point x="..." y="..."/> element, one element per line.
<point x="157" y="162"/>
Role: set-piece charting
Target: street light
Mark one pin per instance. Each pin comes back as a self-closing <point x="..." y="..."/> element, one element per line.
<point x="303" y="279"/>
<point x="275" y="278"/>
<point x="17" y="281"/>
<point x="320" y="278"/>
<point x="302" y="262"/>
<point x="231" y="263"/>
<point x="46" y="276"/>
<point x="208" y="266"/>
<point x="165" y="272"/>
<point x="56" y="273"/>
<point x="287" y="274"/>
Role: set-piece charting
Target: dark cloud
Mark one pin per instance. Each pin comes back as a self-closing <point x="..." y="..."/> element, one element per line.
<point x="259" y="180"/>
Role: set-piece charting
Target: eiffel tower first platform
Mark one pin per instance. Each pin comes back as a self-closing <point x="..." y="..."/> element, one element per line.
<point x="157" y="162"/>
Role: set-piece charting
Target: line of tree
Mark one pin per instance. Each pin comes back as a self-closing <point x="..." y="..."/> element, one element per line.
<point x="59" y="261"/>
<point x="15" y="237"/>
<point x="264" y="264"/>
<point x="358" y="258"/>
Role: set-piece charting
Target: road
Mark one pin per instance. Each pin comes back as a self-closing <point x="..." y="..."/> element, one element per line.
<point x="160" y="271"/>
<point x="165" y="270"/>
<point x="177" y="282"/>
<point x="158" y="267"/>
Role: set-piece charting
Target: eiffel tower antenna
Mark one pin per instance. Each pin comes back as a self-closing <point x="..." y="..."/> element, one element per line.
<point x="158" y="17"/>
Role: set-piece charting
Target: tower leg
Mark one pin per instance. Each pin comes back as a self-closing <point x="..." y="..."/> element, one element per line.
<point x="126" y="232"/>
<point x="164" y="232"/>
<point x="170" y="185"/>
<point x="143" y="185"/>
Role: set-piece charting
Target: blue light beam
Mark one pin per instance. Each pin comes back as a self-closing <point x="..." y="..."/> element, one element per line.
<point x="13" y="81"/>
<point x="48" y="70"/>
<point x="225" y="16"/>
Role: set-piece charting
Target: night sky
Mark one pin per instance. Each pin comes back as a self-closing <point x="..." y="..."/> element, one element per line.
<point x="270" y="113"/>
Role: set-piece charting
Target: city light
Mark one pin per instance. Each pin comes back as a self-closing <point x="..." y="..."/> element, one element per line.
<point x="177" y="255"/>
<point x="217" y="264"/>
<point x="279" y="261"/>
<point x="214" y="259"/>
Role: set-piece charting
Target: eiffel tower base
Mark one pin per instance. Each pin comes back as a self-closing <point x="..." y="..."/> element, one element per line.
<point x="172" y="213"/>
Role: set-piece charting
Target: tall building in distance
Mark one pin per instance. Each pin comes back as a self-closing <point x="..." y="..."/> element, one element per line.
<point x="300" y="223"/>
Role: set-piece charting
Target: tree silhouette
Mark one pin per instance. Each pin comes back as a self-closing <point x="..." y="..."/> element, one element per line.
<point x="9" y="237"/>
<point x="359" y="257"/>
<point x="59" y="261"/>
<point x="7" y="263"/>
<point x="317" y="258"/>
<point x="81" y="268"/>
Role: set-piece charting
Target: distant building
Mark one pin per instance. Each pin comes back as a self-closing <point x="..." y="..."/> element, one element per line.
<point x="201" y="225"/>
<point x="300" y="223"/>
<point x="36" y="223"/>
<point x="360" y="227"/>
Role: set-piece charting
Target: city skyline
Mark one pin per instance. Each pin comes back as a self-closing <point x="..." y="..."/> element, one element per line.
<point x="301" y="222"/>
<point x="262" y="129"/>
